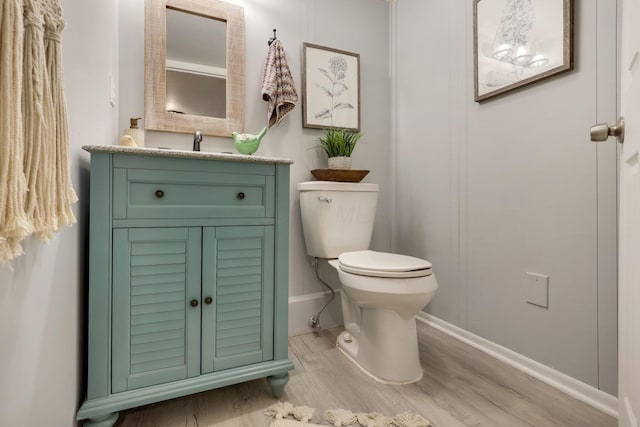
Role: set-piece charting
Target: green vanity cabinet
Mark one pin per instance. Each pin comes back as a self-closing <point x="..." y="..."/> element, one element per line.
<point x="188" y="280"/>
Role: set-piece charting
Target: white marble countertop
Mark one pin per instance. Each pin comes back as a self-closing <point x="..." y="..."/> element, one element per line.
<point x="182" y="154"/>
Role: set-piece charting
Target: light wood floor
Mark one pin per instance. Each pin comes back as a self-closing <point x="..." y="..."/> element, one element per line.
<point x="461" y="387"/>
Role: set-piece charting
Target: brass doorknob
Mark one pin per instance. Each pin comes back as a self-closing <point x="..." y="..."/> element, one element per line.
<point x="602" y="131"/>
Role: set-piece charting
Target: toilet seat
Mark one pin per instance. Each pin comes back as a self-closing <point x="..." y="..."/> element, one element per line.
<point x="382" y="264"/>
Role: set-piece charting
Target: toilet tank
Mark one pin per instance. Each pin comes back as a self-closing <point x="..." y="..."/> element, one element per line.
<point x="337" y="217"/>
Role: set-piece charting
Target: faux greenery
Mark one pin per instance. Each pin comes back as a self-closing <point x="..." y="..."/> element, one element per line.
<point x="339" y="142"/>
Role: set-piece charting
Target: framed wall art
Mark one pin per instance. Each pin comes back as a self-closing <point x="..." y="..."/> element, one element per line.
<point x="330" y="88"/>
<point x="519" y="42"/>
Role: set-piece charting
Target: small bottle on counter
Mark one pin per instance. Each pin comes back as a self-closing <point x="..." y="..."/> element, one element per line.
<point x="135" y="133"/>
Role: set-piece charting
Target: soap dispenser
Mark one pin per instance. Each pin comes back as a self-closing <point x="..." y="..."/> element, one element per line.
<point x="135" y="133"/>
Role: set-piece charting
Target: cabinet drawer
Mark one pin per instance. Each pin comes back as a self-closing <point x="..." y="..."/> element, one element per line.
<point x="147" y="193"/>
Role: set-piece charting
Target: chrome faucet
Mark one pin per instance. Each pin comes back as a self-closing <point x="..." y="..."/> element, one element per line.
<point x="197" y="139"/>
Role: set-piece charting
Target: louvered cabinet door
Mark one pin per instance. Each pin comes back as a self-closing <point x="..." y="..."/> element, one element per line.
<point x="238" y="276"/>
<point x="156" y="328"/>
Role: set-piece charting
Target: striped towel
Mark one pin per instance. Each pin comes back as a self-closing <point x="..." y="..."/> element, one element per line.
<point x="278" y="88"/>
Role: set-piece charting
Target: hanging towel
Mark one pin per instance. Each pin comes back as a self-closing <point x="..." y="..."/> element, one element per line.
<point x="278" y="88"/>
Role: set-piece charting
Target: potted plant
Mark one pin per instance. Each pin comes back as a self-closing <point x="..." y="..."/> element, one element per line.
<point x="339" y="144"/>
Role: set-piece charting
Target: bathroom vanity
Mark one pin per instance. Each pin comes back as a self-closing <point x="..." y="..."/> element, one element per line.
<point x="188" y="275"/>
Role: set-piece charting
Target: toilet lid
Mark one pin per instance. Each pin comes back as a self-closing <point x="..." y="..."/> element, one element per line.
<point x="382" y="264"/>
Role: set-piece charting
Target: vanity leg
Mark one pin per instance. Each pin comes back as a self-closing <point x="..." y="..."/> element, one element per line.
<point x="103" y="421"/>
<point x="277" y="383"/>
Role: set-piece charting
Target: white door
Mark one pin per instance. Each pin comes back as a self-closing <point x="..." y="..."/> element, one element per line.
<point x="629" y="229"/>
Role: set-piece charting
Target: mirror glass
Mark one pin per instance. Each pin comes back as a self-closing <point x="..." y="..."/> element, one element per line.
<point x="196" y="64"/>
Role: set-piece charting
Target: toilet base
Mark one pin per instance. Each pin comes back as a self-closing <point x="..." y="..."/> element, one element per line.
<point x="389" y="354"/>
<point x="351" y="348"/>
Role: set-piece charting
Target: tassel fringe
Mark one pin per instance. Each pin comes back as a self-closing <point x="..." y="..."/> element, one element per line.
<point x="340" y="417"/>
<point x="35" y="186"/>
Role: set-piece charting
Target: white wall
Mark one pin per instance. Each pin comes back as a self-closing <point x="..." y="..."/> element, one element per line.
<point x="359" y="26"/>
<point x="41" y="300"/>
<point x="490" y="191"/>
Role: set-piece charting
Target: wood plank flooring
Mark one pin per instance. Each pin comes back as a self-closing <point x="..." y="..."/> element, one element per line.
<point x="461" y="387"/>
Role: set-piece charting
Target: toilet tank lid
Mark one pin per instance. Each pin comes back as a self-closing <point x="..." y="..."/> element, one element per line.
<point x="382" y="262"/>
<point x="336" y="186"/>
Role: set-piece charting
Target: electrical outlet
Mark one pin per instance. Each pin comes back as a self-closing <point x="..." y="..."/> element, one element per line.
<point x="537" y="289"/>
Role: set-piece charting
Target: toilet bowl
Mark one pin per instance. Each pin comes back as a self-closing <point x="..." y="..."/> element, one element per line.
<point x="381" y="292"/>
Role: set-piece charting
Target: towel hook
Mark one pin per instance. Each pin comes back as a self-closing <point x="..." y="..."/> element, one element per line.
<point x="272" y="39"/>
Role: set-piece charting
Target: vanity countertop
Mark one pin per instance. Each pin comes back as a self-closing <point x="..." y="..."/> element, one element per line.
<point x="183" y="154"/>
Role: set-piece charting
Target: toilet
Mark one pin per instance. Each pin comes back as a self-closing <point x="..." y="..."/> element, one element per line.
<point x="381" y="292"/>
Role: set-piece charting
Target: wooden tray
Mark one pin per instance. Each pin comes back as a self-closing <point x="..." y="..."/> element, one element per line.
<point x="341" y="175"/>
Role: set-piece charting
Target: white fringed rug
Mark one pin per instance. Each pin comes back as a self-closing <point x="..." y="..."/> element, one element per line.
<point x="339" y="417"/>
<point x="292" y="423"/>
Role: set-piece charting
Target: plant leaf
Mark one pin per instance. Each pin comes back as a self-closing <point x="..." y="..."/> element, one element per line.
<point x="339" y="142"/>
<point x="342" y="106"/>
<point x="324" y="114"/>
<point x="324" y="89"/>
<point x="339" y="88"/>
<point x="337" y="91"/>
<point x="326" y="73"/>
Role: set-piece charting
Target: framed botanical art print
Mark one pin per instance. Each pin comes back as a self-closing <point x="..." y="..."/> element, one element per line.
<point x="330" y="88"/>
<point x="519" y="42"/>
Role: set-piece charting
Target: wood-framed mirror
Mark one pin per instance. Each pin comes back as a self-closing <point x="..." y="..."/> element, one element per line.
<point x="194" y="66"/>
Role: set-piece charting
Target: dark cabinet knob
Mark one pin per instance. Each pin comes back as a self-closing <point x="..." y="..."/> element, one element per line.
<point x="194" y="303"/>
<point x="159" y="194"/>
<point x="240" y="195"/>
<point x="208" y="300"/>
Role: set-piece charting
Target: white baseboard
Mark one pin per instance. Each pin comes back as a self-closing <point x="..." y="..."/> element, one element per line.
<point x="302" y="307"/>
<point x="566" y="384"/>
<point x="627" y="417"/>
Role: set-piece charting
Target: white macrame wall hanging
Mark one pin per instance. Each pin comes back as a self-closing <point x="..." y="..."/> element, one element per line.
<point x="35" y="187"/>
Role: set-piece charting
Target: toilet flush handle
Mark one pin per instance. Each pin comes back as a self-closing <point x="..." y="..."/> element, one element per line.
<point x="325" y="199"/>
